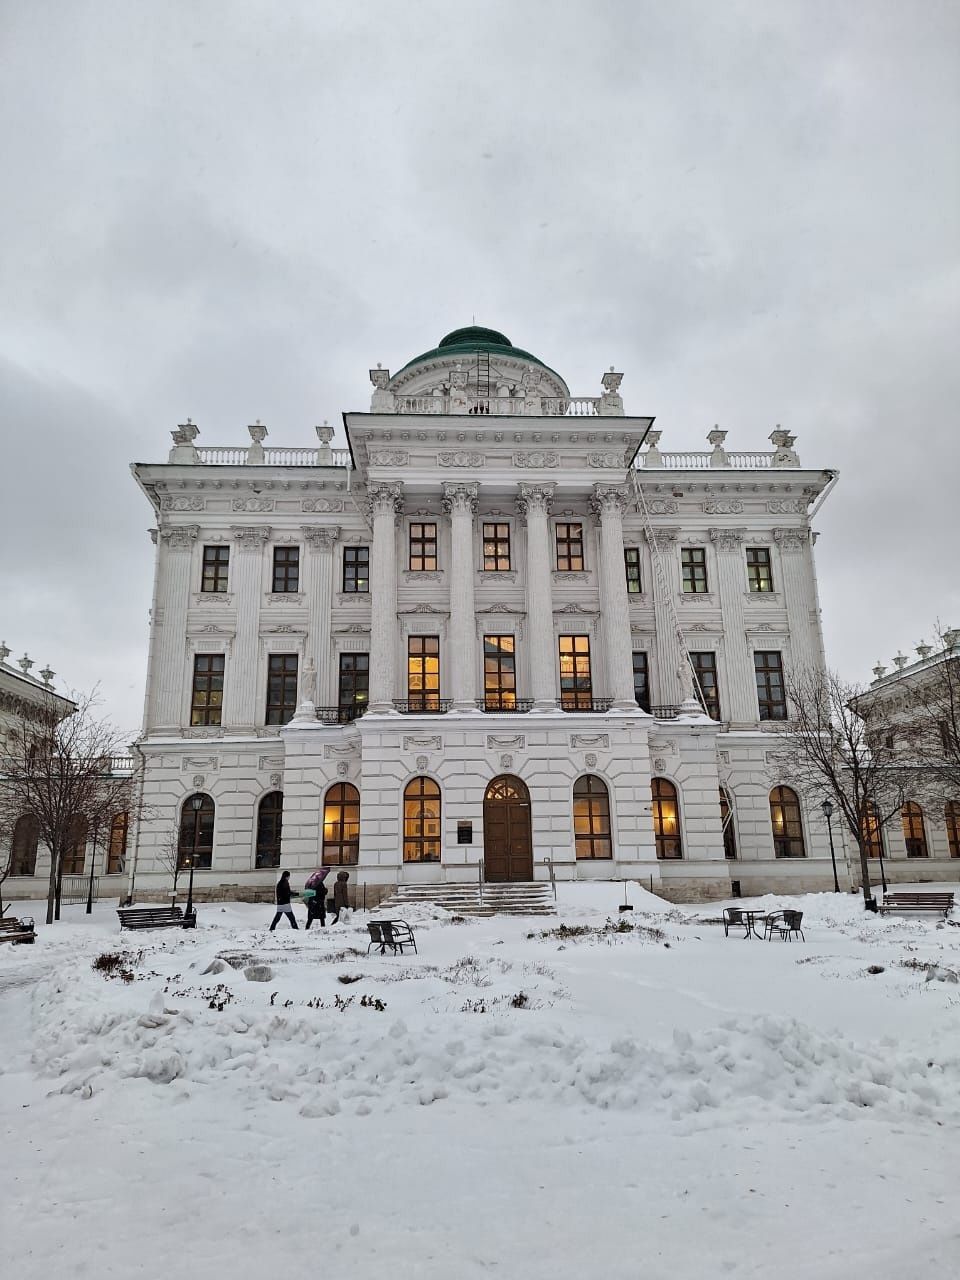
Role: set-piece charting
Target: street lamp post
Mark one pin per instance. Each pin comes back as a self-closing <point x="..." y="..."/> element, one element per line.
<point x="93" y="864"/>
<point x="190" y="919"/>
<point x="827" y="808"/>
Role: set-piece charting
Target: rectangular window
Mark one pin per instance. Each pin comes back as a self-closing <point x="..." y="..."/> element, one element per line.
<point x="576" y="689"/>
<point x="354" y="686"/>
<point x="286" y="569"/>
<point x="693" y="561"/>
<point x="216" y="566"/>
<point x="641" y="680"/>
<point x="569" y="547"/>
<point x="281" y="687"/>
<point x="705" y="667"/>
<point x="496" y="547"/>
<point x="206" y="702"/>
<point x="759" y="572"/>
<point x="423" y="548"/>
<point x="771" y="697"/>
<point x="356" y="570"/>
<point x="499" y="673"/>
<point x="631" y="563"/>
<point x="423" y="673"/>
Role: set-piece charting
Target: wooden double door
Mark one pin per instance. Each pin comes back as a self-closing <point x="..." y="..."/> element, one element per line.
<point x="507" y="831"/>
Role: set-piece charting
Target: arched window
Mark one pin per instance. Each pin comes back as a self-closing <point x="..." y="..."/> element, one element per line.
<point x="913" y="833"/>
<point x="787" y="826"/>
<point x="951" y="813"/>
<point x="196" y="832"/>
<point x="75" y="851"/>
<point x="117" y="848"/>
<point x="341" y="826"/>
<point x="421" y="821"/>
<point x="872" y="835"/>
<point x="23" y="850"/>
<point x="591" y="818"/>
<point x="666" y="819"/>
<point x="269" y="827"/>
<point x="727" y="827"/>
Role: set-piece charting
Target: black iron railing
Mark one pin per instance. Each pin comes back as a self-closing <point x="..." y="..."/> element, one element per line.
<point x="503" y="704"/>
<point x="427" y="705"/>
<point x="341" y="715"/>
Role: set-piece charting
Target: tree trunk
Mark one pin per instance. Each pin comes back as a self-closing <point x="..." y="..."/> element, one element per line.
<point x="869" y="903"/>
<point x="52" y="886"/>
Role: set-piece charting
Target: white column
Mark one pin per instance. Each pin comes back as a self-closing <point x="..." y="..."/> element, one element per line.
<point x="609" y="503"/>
<point x="673" y="676"/>
<point x="246" y="584"/>
<point x="318" y="580"/>
<point x="170" y="624"/>
<point x="386" y="502"/>
<point x="799" y="593"/>
<point x="738" y="690"/>
<point x="460" y="502"/>
<point x="534" y="503"/>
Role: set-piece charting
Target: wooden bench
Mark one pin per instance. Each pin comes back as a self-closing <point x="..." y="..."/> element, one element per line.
<point x="908" y="903"/>
<point x="151" y="917"/>
<point x="395" y="934"/>
<point x="13" y="930"/>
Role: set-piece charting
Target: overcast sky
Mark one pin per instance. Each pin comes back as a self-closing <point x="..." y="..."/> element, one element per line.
<point x="232" y="210"/>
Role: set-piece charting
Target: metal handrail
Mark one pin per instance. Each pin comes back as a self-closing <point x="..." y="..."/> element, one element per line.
<point x="548" y="863"/>
<point x="480" y="884"/>
<point x="415" y="707"/>
<point x="594" y="704"/>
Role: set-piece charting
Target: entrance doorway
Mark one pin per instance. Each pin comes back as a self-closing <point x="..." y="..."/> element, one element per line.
<point x="507" y="834"/>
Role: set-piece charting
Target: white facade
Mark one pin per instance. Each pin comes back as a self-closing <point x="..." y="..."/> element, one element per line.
<point x="472" y="435"/>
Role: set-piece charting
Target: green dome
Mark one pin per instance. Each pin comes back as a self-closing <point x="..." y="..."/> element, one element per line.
<point x="467" y="342"/>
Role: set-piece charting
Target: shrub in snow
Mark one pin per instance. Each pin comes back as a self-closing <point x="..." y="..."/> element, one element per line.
<point x="258" y="973"/>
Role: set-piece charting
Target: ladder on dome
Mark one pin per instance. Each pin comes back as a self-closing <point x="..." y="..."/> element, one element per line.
<point x="483" y="381"/>
<point x="686" y="672"/>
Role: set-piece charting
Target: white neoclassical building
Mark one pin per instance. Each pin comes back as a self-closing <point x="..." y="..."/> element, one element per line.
<point x="499" y="635"/>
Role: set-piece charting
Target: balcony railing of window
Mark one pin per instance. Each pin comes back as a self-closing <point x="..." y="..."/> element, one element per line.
<point x="426" y="705"/>
<point x="340" y="715"/>
<point x="579" y="703"/>
<point x="502" y="704"/>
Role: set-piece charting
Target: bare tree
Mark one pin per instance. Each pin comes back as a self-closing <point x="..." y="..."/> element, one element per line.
<point x="57" y="768"/>
<point x="6" y="865"/>
<point x="845" y="754"/>
<point x="168" y="857"/>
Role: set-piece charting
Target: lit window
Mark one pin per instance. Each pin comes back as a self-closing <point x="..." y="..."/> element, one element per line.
<point x="666" y="819"/>
<point x="206" y="701"/>
<point x="499" y="673"/>
<point x="423" y="673"/>
<point x="591" y="818"/>
<point x="872" y="836"/>
<point x="913" y="833"/>
<point x="341" y="826"/>
<point x="787" y="824"/>
<point x="576" y="688"/>
<point x="421" y="821"/>
<point x="496" y="547"/>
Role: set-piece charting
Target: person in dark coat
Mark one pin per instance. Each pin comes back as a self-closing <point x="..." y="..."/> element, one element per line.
<point x="341" y="899"/>
<point x="284" y="907"/>
<point x="316" y="905"/>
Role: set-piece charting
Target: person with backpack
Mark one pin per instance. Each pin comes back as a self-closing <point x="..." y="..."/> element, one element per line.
<point x="284" y="907"/>
<point x="315" y="896"/>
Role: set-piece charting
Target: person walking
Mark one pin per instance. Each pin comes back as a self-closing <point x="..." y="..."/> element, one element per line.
<point x="316" y="900"/>
<point x="284" y="907"/>
<point x="341" y="899"/>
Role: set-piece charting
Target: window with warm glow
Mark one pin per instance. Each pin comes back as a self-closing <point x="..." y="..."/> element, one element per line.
<point x="496" y="547"/>
<point x="951" y="813"/>
<point x="576" y="686"/>
<point x="117" y="845"/>
<point x="666" y="819"/>
<point x="591" y="818"/>
<point x="423" y="547"/>
<point x="499" y="673"/>
<point x="787" y="824"/>
<point x="206" y="700"/>
<point x="759" y="571"/>
<point x="341" y="826"/>
<point x="872" y="837"/>
<point x="913" y="832"/>
<point x="423" y="673"/>
<point x="421" y="821"/>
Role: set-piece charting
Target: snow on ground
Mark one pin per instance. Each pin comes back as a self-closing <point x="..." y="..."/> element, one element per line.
<point x="660" y="1101"/>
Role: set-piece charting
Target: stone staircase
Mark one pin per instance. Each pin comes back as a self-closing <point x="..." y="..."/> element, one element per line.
<point x="514" y="899"/>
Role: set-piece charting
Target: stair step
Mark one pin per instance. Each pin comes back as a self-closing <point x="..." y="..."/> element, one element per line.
<point x="512" y="898"/>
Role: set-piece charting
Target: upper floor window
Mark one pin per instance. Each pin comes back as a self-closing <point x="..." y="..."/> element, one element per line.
<point x="356" y="570"/>
<point x="216" y="568"/>
<point x="354" y="686"/>
<point x="569" y="547"/>
<point x="693" y="561"/>
<point x="496" y="547"/>
<point x="423" y="673"/>
<point x="281" y="687"/>
<point x="771" y="695"/>
<point x="499" y="673"/>
<point x="759" y="571"/>
<point x="913" y="832"/>
<point x="641" y="679"/>
<point x="423" y="547"/>
<point x="631" y="563"/>
<point x="787" y="824"/>
<point x="708" y="692"/>
<point x="576" y="686"/>
<point x="206" y="701"/>
<point x="286" y="569"/>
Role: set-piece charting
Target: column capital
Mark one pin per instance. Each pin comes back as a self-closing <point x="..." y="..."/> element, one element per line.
<point x="609" y="499"/>
<point x="180" y="537"/>
<point x="251" y="537"/>
<point x="460" y="498"/>
<point x="662" y="539"/>
<point x="320" y="537"/>
<point x="791" y="539"/>
<point x="727" y="539"/>
<point x="384" y="498"/>
<point x="535" y="498"/>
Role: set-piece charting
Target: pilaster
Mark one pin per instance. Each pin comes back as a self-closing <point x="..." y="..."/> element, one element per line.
<point x="609" y="503"/>
<point x="170" y="623"/>
<point x="386" y="503"/>
<point x="796" y="569"/>
<point x="320" y="541"/>
<point x="534" y="503"/>
<point x="738" y="694"/>
<point x="460" y="502"/>
<point x="240" y="679"/>
<point x="674" y="682"/>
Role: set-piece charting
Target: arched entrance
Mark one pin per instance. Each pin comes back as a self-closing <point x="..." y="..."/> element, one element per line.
<point x="507" y="834"/>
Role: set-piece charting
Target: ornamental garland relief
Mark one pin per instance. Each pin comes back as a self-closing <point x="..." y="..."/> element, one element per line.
<point x="388" y="457"/>
<point x="459" y="458"/>
<point x="253" y="504"/>
<point x="536" y="459"/>
<point x="606" y="460"/>
<point x="321" y="504"/>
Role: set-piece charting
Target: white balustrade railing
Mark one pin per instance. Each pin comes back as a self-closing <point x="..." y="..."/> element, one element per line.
<point x="700" y="461"/>
<point x="582" y="406"/>
<point x="421" y="404"/>
<point x="502" y="406"/>
<point x="237" y="457"/>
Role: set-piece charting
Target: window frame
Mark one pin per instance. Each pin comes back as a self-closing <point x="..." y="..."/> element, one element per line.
<point x="644" y="701"/>
<point x="708" y="695"/>
<point x="269" y="833"/>
<point x="500" y="664"/>
<point x="592" y="790"/>
<point x="74" y="857"/>
<point x="206" y="686"/>
<point x="951" y="819"/>
<point x="766" y="702"/>
<point x="215" y="569"/>
<point x="579" y="695"/>
<point x="756" y="568"/>
<point x="633" y="570"/>
<point x="117" y="843"/>
<point x="419" y="792"/>
<point x="339" y="801"/>
<point x="350" y="570"/>
<point x="420" y="558"/>
<point x="282" y="686"/>
<point x="286" y="570"/>
<point x="911" y="818"/>
<point x="24" y="845"/>
<point x="728" y="828"/>
<point x="498" y="560"/>
<point x="783" y="801"/>
<point x="568" y="546"/>
<point x="196" y="824"/>
<point x="873" y="835"/>
<point x="426" y="698"/>
<point x="668" y="844"/>
<point x="693" y="571"/>
<point x="357" y="686"/>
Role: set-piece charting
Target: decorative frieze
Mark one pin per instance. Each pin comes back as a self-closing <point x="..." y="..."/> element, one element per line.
<point x="516" y="741"/>
<point x="663" y="507"/>
<point x="425" y="742"/>
<point x="606" y="460"/>
<point x="253" y="504"/>
<point x="460" y="458"/>
<point x="321" y="505"/>
<point x="536" y="459"/>
<point x="222" y="598"/>
<point x="722" y="507"/>
<point x="180" y="537"/>
<point x="291" y="598"/>
<point x="787" y="506"/>
<point x="170" y="503"/>
<point x="388" y="457"/>
<point x="599" y="740"/>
